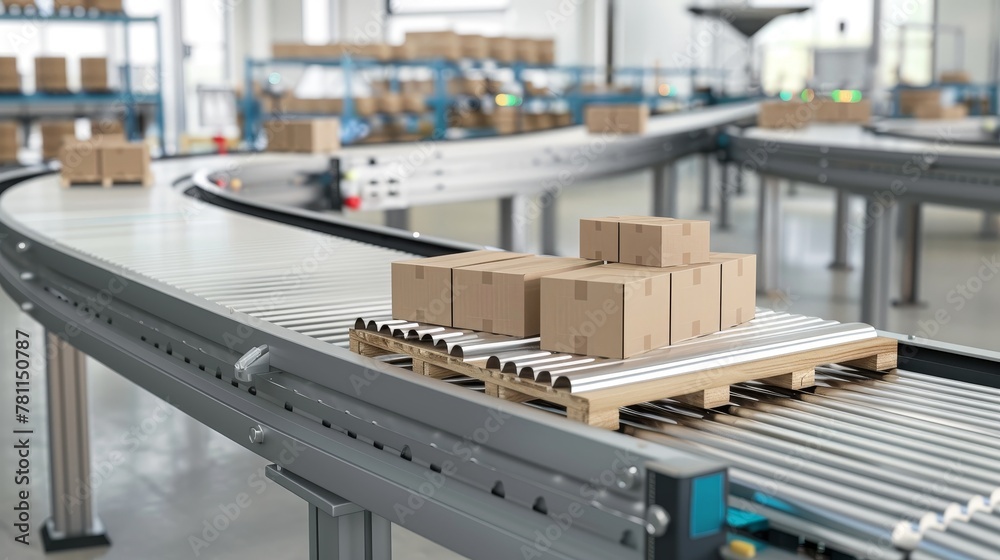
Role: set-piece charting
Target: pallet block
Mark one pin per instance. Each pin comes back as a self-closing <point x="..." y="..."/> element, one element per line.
<point x="706" y="389"/>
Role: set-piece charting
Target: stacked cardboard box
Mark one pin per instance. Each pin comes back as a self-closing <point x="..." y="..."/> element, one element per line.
<point x="436" y="44"/>
<point x="932" y="111"/>
<point x="475" y="46"/>
<point x="784" y="114"/>
<point x="526" y="50"/>
<point x="506" y="120"/>
<point x="50" y="74"/>
<point x="414" y="103"/>
<point x="54" y="133"/>
<point x="503" y="49"/>
<point x="546" y="51"/>
<point x="955" y="77"/>
<point x="107" y="161"/>
<point x="10" y="80"/>
<point x="94" y="74"/>
<point x="308" y="136"/>
<point x="105" y="5"/>
<point x="69" y="4"/>
<point x="910" y="99"/>
<point x="829" y="111"/>
<point x="20" y="4"/>
<point x="8" y="142"/>
<point x="628" y="118"/>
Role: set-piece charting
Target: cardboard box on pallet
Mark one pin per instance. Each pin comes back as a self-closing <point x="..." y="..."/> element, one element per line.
<point x="54" y="134"/>
<point x="475" y="46"/>
<point x="316" y="136"/>
<point x="932" y="111"/>
<point x="739" y="287"/>
<point x="9" y="144"/>
<point x="784" y="114"/>
<point x="503" y="297"/>
<point x="829" y="111"/>
<point x="599" y="239"/>
<point x="50" y="74"/>
<point x="107" y="128"/>
<point x="503" y="49"/>
<point x="436" y="44"/>
<point x="628" y="118"/>
<point x="80" y="161"/>
<point x="604" y="311"/>
<point x="94" y="74"/>
<point x="422" y="289"/>
<point x="662" y="242"/>
<point x="10" y="80"/>
<point x="910" y="99"/>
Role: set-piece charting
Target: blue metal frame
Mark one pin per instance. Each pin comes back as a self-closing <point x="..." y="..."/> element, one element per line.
<point x="127" y="97"/>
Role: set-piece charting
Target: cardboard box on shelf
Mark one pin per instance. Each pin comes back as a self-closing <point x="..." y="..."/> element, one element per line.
<point x="10" y="80"/>
<point x="474" y="86"/>
<point x="562" y="119"/>
<point x="503" y="49"/>
<point x="9" y="144"/>
<point x="69" y="4"/>
<point x="910" y="99"/>
<point x="932" y="111"/>
<point x="378" y="51"/>
<point x="436" y="44"/>
<point x="54" y="133"/>
<point x="406" y="51"/>
<point x="110" y="127"/>
<point x="94" y="74"/>
<point x="475" y="46"/>
<point x="20" y="3"/>
<point x="422" y="289"/>
<point x="105" y="5"/>
<point x="785" y="114"/>
<point x="365" y="106"/>
<point x="124" y="162"/>
<point x="955" y="77"/>
<point x="739" y="288"/>
<point x="390" y="103"/>
<point x="50" y="74"/>
<point x="627" y="118"/>
<point x="526" y="50"/>
<point x="662" y="242"/>
<point x="414" y="103"/>
<point x="503" y="297"/>
<point x="599" y="239"/>
<point x="606" y="312"/>
<point x="546" y="49"/>
<point x="506" y="120"/>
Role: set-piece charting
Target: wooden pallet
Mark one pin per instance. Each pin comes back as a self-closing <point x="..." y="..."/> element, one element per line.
<point x="706" y="389"/>
<point x="106" y="182"/>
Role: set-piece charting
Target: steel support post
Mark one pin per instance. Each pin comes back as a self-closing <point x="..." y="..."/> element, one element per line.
<point x="909" y="278"/>
<point x="706" y="182"/>
<point x="514" y="223"/>
<point x="738" y="186"/>
<point x="399" y="218"/>
<point x="665" y="190"/>
<point x="73" y="523"/>
<point x="991" y="225"/>
<point x="549" y="222"/>
<point x="338" y="529"/>
<point x="768" y="234"/>
<point x="725" y="193"/>
<point x="875" y="276"/>
<point x="840" y="260"/>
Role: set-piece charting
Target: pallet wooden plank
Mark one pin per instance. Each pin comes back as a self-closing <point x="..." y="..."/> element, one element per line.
<point x="879" y="362"/>
<point x="709" y="398"/>
<point x="795" y="380"/>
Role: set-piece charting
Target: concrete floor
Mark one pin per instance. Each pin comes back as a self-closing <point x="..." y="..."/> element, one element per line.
<point x="177" y="477"/>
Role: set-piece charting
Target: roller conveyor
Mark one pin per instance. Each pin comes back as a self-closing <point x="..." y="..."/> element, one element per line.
<point x="864" y="465"/>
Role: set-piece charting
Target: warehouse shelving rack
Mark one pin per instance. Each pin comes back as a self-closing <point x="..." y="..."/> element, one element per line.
<point x="963" y="92"/>
<point x="35" y="105"/>
<point x="440" y="100"/>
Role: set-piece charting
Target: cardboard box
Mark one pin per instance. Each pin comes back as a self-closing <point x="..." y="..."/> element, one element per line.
<point x="436" y="44"/>
<point x="50" y="74"/>
<point x="10" y="80"/>
<point x="422" y="289"/>
<point x="365" y="106"/>
<point x="80" y="161"/>
<point x="390" y="103"/>
<point x="476" y="87"/>
<point x="606" y="312"/>
<point x="829" y="111"/>
<point x="526" y="50"/>
<point x="69" y="4"/>
<point x="739" y="288"/>
<point x="124" y="161"/>
<point x="9" y="144"/>
<point x="506" y="120"/>
<point x="562" y="119"/>
<point x="546" y="51"/>
<point x="105" y="5"/>
<point x="503" y="297"/>
<point x="54" y="133"/>
<point x="662" y="242"/>
<point x="629" y="118"/>
<point x="377" y="51"/>
<point x="932" y="111"/>
<point x="20" y="3"/>
<point x="955" y="77"/>
<point x="107" y="127"/>
<point x="475" y="46"/>
<point x="94" y="74"/>
<point x="414" y="103"/>
<point x="406" y="51"/>
<point x="503" y="49"/>
<point x="316" y="136"/>
<point x="910" y="99"/>
<point x="599" y="239"/>
<point x="786" y="114"/>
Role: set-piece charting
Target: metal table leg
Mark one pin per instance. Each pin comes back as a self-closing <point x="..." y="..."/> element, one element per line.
<point x="840" y="261"/>
<point x="665" y="190"/>
<point x="909" y="290"/>
<point x="875" y="276"/>
<point x="725" y="192"/>
<point x="73" y="523"/>
<point x="991" y="225"/>
<point x="768" y="235"/>
<point x="706" y="182"/>
<point x="739" y="190"/>
<point x="549" y="222"/>
<point x="338" y="529"/>
<point x="514" y="223"/>
<point x="399" y="219"/>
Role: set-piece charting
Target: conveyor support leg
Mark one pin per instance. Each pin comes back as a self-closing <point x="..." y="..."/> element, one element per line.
<point x="875" y="276"/>
<point x="514" y="219"/>
<point x="706" y="182"/>
<point x="840" y="261"/>
<point x="769" y="235"/>
<point x="909" y="278"/>
<point x="399" y="218"/>
<point x="550" y="223"/>
<point x="991" y="225"/>
<point x="73" y="523"/>
<point x="665" y="190"/>
<point x="725" y="193"/>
